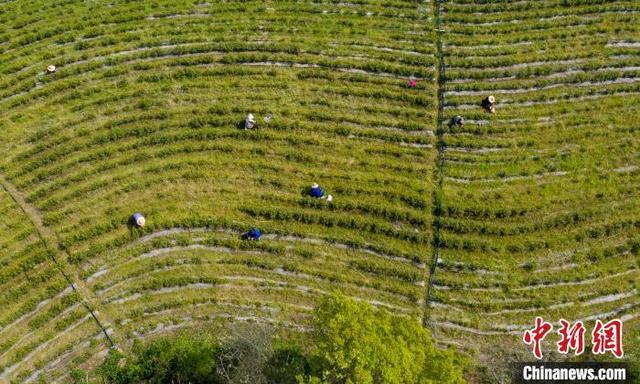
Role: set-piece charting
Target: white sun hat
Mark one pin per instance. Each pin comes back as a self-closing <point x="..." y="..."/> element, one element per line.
<point x="51" y="68"/>
<point x="250" y="121"/>
<point x="138" y="219"/>
<point x="314" y="185"/>
<point x="492" y="99"/>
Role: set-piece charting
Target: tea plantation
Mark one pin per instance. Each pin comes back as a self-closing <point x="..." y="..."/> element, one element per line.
<point x="473" y="229"/>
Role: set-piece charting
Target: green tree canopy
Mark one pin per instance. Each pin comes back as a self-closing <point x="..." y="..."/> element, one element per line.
<point x="183" y="359"/>
<point x="358" y="344"/>
<point x="352" y="343"/>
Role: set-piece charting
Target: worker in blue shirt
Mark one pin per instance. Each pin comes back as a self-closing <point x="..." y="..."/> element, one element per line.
<point x="253" y="234"/>
<point x="316" y="191"/>
<point x="319" y="193"/>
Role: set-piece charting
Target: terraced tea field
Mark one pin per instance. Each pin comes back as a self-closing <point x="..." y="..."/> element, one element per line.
<point x="473" y="230"/>
<point x="540" y="202"/>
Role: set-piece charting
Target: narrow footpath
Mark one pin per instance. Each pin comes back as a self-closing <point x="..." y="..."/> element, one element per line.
<point x="440" y="163"/>
<point x="59" y="257"/>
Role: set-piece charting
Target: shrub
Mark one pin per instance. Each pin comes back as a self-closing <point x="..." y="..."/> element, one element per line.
<point x="287" y="363"/>
<point x="183" y="359"/>
<point x="358" y="344"/>
<point x="353" y="343"/>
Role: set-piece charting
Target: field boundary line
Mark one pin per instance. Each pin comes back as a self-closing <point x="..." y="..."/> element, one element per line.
<point x="439" y="169"/>
<point x="58" y="255"/>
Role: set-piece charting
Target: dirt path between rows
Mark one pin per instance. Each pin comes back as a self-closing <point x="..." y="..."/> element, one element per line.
<point x="59" y="258"/>
<point x="440" y="163"/>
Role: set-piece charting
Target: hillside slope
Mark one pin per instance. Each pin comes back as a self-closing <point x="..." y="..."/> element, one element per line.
<point x="540" y="202"/>
<point x="142" y="115"/>
<point x="529" y="211"/>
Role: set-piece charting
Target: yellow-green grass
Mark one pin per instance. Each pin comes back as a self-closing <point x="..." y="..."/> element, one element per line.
<point x="42" y="318"/>
<point x="539" y="200"/>
<point x="142" y="115"/>
<point x="537" y="212"/>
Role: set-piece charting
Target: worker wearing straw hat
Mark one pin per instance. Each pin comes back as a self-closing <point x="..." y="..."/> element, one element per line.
<point x="316" y="191"/>
<point x="457" y="121"/>
<point x="319" y="193"/>
<point x="138" y="219"/>
<point x="488" y="104"/>
<point x="250" y="122"/>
